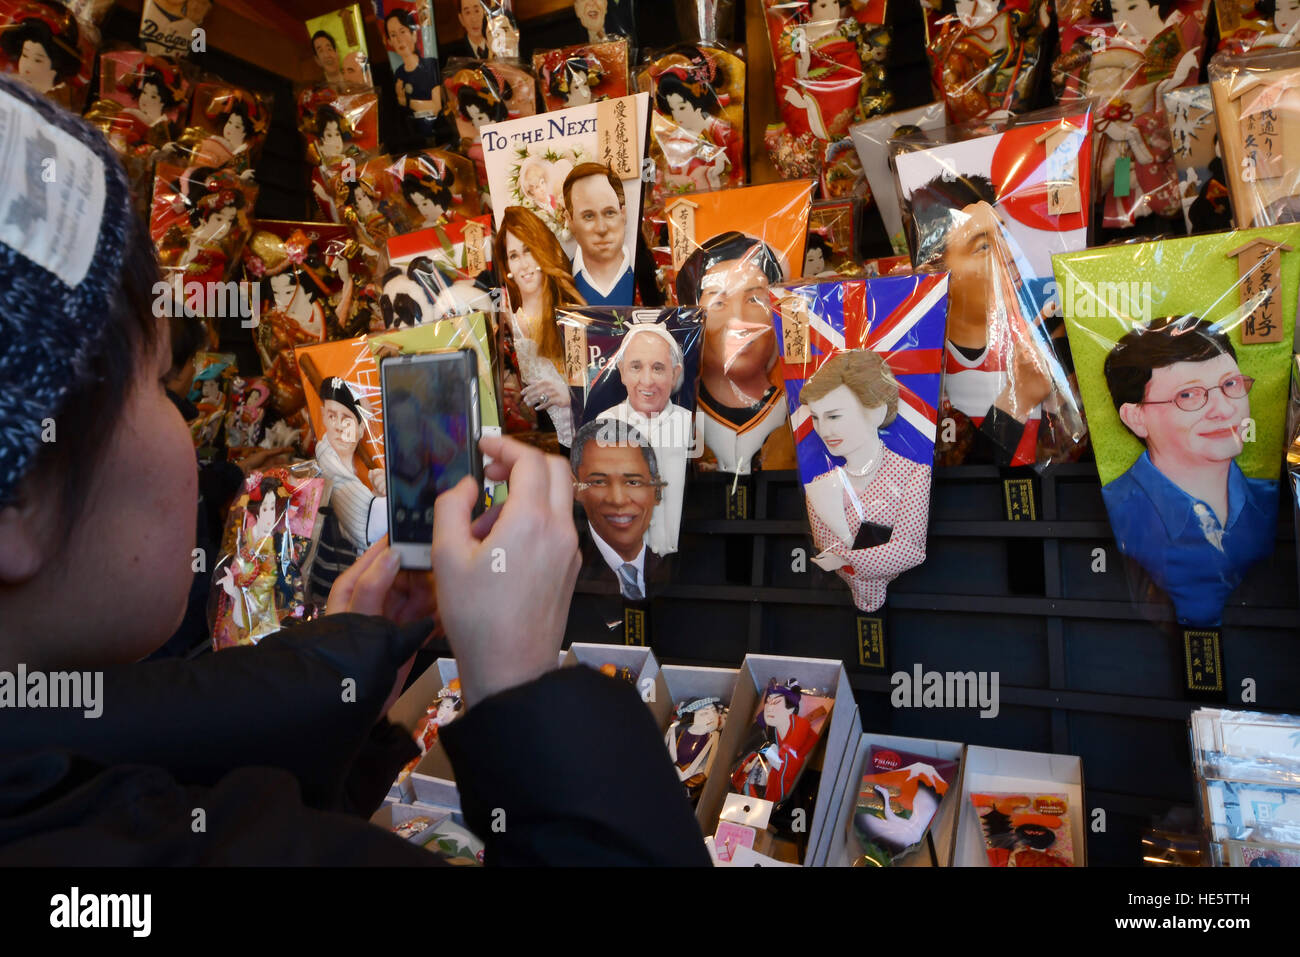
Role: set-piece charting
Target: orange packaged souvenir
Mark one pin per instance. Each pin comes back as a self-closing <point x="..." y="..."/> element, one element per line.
<point x="1026" y="830"/>
<point x="44" y="44"/>
<point x="726" y="248"/>
<point x="829" y="60"/>
<point x="1125" y="58"/>
<point x="984" y="54"/>
<point x="587" y="73"/>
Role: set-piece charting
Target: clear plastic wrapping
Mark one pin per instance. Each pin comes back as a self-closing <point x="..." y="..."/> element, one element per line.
<point x="991" y="210"/>
<point x="1202" y="186"/>
<point x="697" y="133"/>
<point x="582" y="74"/>
<point x="143" y="100"/>
<point x="635" y="371"/>
<point x="46" y="46"/>
<point x="861" y="360"/>
<point x="171" y="26"/>
<point x="338" y="44"/>
<point x="726" y="249"/>
<point x="479" y="93"/>
<point x="342" y="131"/>
<point x="576" y="173"/>
<point x="1124" y="60"/>
<point x="871" y="139"/>
<point x="313" y="284"/>
<point x="1249" y="24"/>
<point x="1183" y="350"/>
<point x="259" y="584"/>
<point x="984" y="54"/>
<point x="831" y="70"/>
<point x="228" y="125"/>
<point x="832" y="247"/>
<point x="1257" y="101"/>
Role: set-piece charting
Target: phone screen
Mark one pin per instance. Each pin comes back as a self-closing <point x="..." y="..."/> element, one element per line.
<point x="430" y="434"/>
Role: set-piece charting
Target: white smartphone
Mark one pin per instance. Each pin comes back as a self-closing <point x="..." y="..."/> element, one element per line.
<point x="431" y="433"/>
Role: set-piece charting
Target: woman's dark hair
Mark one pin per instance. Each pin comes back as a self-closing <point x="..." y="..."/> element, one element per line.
<point x="327" y="35"/>
<point x="1159" y="343"/>
<point x="92" y="411"/>
<point x="697" y="93"/>
<point x="188" y="336"/>
<point x="724" y="247"/>
<point x="413" y="186"/>
<point x="327" y="115"/>
<point x="301" y="278"/>
<point x="818" y="241"/>
<point x="152" y="76"/>
<point x="928" y="212"/>
<point x="405" y="17"/>
<point x="238" y="108"/>
<point x="491" y="100"/>
<point x="62" y="50"/>
<point x="562" y="76"/>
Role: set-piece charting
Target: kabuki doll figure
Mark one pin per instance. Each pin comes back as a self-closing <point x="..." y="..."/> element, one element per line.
<point x="701" y="150"/>
<point x="779" y="745"/>
<point x="573" y="81"/>
<point x="446" y="708"/>
<point x="426" y="188"/>
<point x="984" y="54"/>
<point x="829" y="72"/>
<point x="1247" y="24"/>
<point x="374" y="220"/>
<point x="1125" y="55"/>
<point x="238" y="121"/>
<point x="256" y="580"/>
<point x="140" y="112"/>
<point x="200" y="224"/>
<point x="294" y="302"/>
<point x="44" y="47"/>
<point x="481" y="98"/>
<point x="331" y="143"/>
<point x="692" y="741"/>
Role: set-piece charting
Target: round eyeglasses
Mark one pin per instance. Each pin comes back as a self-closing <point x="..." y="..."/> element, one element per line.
<point x="1194" y="397"/>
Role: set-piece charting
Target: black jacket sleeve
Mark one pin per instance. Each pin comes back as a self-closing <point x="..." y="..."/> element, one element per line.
<point x="305" y="700"/>
<point x="570" y="769"/>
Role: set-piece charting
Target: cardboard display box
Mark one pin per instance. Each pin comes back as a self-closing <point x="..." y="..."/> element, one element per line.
<point x="842" y="847"/>
<point x="647" y="677"/>
<point x="842" y="728"/>
<point x="685" y="683"/>
<point x="999" y="770"/>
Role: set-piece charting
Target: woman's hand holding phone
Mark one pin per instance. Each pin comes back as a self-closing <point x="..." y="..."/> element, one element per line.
<point x="505" y="580"/>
